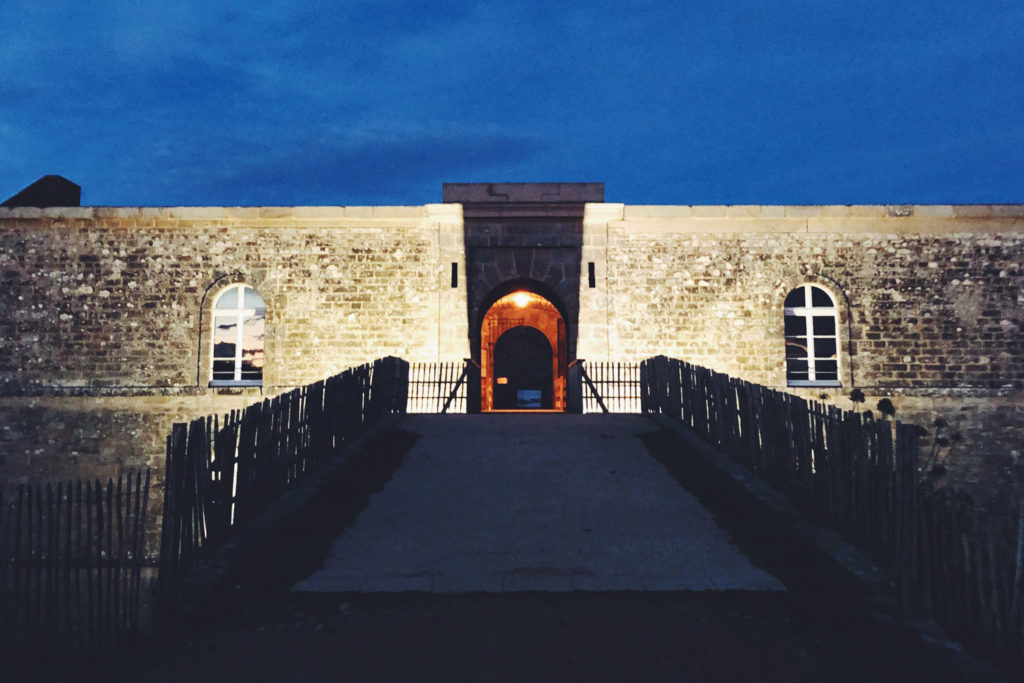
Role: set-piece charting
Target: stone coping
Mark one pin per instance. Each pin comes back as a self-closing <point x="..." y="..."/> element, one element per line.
<point x="639" y="220"/>
<point x="624" y="211"/>
<point x="239" y="214"/>
<point x="902" y="211"/>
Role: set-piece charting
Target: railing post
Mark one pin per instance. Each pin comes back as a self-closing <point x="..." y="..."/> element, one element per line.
<point x="473" y="387"/>
<point x="645" y="387"/>
<point x="906" y="464"/>
<point x="657" y="370"/>
<point x="671" y="397"/>
<point x="400" y="386"/>
<point x="170" y="551"/>
<point x="574" y="387"/>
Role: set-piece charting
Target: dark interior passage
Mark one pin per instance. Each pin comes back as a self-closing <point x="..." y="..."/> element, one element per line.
<point x="523" y="375"/>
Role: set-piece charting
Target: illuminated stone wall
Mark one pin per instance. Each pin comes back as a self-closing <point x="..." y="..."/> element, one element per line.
<point x="934" y="299"/>
<point x="930" y="298"/>
<point x="105" y="315"/>
<point x="104" y="312"/>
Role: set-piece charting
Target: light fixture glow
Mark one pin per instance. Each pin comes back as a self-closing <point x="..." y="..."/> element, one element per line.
<point x="521" y="299"/>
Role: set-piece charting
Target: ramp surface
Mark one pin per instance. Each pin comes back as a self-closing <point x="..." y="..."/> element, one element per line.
<point x="533" y="502"/>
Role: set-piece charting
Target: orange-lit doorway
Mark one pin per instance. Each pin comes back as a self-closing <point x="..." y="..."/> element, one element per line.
<point x="523" y="362"/>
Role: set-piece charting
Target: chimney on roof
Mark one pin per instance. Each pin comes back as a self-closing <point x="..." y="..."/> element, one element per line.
<point x="50" y="190"/>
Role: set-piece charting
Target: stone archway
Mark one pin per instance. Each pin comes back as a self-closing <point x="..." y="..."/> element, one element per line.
<point x="523" y="360"/>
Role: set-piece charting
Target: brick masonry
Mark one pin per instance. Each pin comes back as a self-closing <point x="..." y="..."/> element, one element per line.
<point x="104" y="312"/>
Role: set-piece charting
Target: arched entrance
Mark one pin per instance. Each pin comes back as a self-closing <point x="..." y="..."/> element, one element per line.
<point x="523" y="361"/>
<point x="523" y="372"/>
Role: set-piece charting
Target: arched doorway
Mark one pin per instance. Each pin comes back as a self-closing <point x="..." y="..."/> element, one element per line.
<point x="523" y="361"/>
<point x="523" y="372"/>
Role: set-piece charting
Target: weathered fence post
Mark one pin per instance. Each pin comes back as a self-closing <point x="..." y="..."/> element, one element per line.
<point x="907" y="457"/>
<point x="401" y="386"/>
<point x="473" y="397"/>
<point x="574" y="388"/>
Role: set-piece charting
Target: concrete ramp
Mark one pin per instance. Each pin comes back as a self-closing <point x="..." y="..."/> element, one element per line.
<point x="533" y="502"/>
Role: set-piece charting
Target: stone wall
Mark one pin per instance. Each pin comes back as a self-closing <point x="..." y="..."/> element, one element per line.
<point x="105" y="315"/>
<point x="105" y="312"/>
<point x="931" y="306"/>
<point x="926" y="301"/>
<point x="120" y="297"/>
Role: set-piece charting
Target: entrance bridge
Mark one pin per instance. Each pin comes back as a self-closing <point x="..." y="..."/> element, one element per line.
<point x="506" y="503"/>
<point x="546" y="502"/>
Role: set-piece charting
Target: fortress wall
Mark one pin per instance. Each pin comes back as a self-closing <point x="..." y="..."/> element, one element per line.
<point x="104" y="312"/>
<point x="105" y="315"/>
<point x="121" y="298"/>
<point x="925" y="302"/>
<point x="931" y="303"/>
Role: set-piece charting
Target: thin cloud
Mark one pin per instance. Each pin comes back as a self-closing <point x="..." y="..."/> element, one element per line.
<point x="230" y="102"/>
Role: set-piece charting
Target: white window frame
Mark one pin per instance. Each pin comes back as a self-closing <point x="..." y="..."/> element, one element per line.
<point x="239" y="313"/>
<point x="808" y="312"/>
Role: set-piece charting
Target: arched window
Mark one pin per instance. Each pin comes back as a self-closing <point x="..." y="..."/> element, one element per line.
<point x="239" y="316"/>
<point x="812" y="341"/>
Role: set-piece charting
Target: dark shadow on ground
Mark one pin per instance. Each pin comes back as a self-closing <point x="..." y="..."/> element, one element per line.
<point x="819" y="631"/>
<point x="301" y="545"/>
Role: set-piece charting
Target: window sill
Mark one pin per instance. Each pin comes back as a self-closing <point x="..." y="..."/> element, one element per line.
<point x="236" y="383"/>
<point x="813" y="383"/>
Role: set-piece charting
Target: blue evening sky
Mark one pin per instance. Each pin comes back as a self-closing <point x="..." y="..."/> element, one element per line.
<point x="359" y="102"/>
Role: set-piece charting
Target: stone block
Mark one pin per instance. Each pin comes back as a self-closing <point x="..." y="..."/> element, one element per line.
<point x="318" y="212"/>
<point x="709" y="211"/>
<point x="867" y="211"/>
<point x="441" y="212"/>
<point x="497" y="193"/>
<point x="933" y="211"/>
<point x="276" y="212"/>
<point x="359" y="212"/>
<point x="68" y="212"/>
<point x="743" y="211"/>
<point x="804" y="211"/>
<point x="398" y="212"/>
<point x="642" y="212"/>
<point x="194" y="213"/>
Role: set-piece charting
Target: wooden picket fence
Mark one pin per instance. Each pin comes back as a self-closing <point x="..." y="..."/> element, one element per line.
<point x="967" y="572"/>
<point x="949" y="557"/>
<point x="71" y="565"/>
<point x="224" y="471"/>
<point x="437" y="388"/>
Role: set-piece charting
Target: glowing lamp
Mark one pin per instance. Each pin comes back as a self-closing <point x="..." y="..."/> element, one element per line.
<point x="521" y="299"/>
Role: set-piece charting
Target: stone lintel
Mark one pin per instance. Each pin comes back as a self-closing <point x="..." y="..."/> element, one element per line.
<point x="531" y="193"/>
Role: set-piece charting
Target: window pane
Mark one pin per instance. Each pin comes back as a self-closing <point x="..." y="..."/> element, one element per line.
<point x="824" y="347"/>
<point x="826" y="369"/>
<point x="796" y="348"/>
<point x="224" y="369"/>
<point x="795" y="299"/>
<point x="252" y="299"/>
<point x="229" y="299"/>
<point x="796" y="325"/>
<point x="796" y="368"/>
<point x="252" y="346"/>
<point x="825" y="324"/>
<point x="819" y="297"/>
<point x="225" y="336"/>
<point x="252" y="367"/>
<point x="252" y="332"/>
